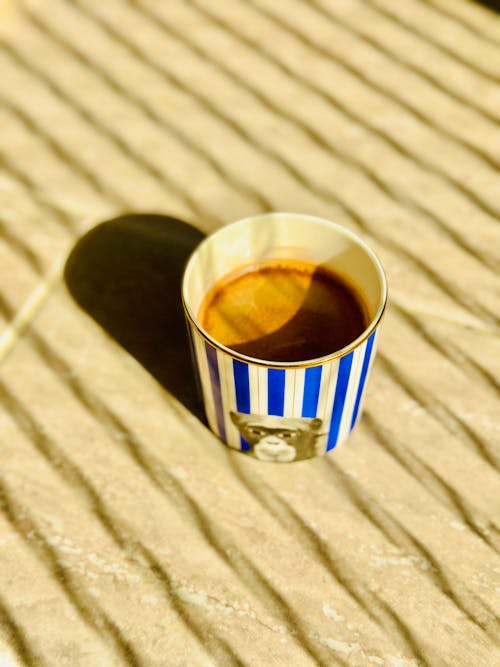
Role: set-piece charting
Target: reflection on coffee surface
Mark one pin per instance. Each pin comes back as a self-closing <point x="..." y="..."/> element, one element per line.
<point x="283" y="310"/>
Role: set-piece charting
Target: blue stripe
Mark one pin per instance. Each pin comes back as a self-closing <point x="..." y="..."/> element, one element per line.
<point x="275" y="391"/>
<point x="213" y="368"/>
<point x="340" y="396"/>
<point x="312" y="384"/>
<point x="362" y="379"/>
<point x="242" y="388"/>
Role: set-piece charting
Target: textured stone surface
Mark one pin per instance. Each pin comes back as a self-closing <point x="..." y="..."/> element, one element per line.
<point x="128" y="533"/>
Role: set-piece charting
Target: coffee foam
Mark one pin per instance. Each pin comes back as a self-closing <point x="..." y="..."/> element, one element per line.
<point x="283" y="310"/>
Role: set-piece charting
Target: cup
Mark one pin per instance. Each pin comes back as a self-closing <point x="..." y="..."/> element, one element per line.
<point x="283" y="411"/>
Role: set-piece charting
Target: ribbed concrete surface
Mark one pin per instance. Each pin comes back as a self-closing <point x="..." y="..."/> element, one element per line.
<point x="128" y="534"/>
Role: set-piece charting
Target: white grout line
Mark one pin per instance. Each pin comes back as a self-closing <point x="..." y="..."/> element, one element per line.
<point x="25" y="315"/>
<point x="471" y="322"/>
<point x="7" y="658"/>
<point x="15" y="329"/>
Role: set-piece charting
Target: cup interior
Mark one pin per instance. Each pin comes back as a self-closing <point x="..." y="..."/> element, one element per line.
<point x="289" y="236"/>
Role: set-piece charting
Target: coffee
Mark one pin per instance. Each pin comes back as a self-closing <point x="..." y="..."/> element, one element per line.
<point x="283" y="310"/>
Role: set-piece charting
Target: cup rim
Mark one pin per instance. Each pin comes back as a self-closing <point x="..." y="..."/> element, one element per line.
<point x="307" y="363"/>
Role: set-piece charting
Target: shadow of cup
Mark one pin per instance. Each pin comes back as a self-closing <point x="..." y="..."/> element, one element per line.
<point x="126" y="274"/>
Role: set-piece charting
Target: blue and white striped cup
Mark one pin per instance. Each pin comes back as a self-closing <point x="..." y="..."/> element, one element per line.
<point x="283" y="411"/>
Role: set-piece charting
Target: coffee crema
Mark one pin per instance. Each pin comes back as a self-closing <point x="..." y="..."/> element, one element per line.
<point x="283" y="310"/>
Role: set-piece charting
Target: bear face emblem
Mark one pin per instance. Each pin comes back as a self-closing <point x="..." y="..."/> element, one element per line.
<point x="281" y="439"/>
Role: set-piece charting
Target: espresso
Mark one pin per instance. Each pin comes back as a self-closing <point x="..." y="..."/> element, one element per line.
<point x="283" y="310"/>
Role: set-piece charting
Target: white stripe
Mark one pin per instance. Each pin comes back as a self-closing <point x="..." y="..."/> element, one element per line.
<point x="300" y="378"/>
<point x="262" y="383"/>
<point x="204" y="374"/>
<point x="229" y="398"/>
<point x="330" y="393"/>
<point x="374" y="350"/>
<point x="352" y="390"/>
<point x="372" y="359"/>
<point x="254" y="386"/>
<point x="288" y="403"/>
<point x="325" y="401"/>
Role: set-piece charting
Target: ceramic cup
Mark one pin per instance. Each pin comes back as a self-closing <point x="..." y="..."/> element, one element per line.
<point x="283" y="411"/>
